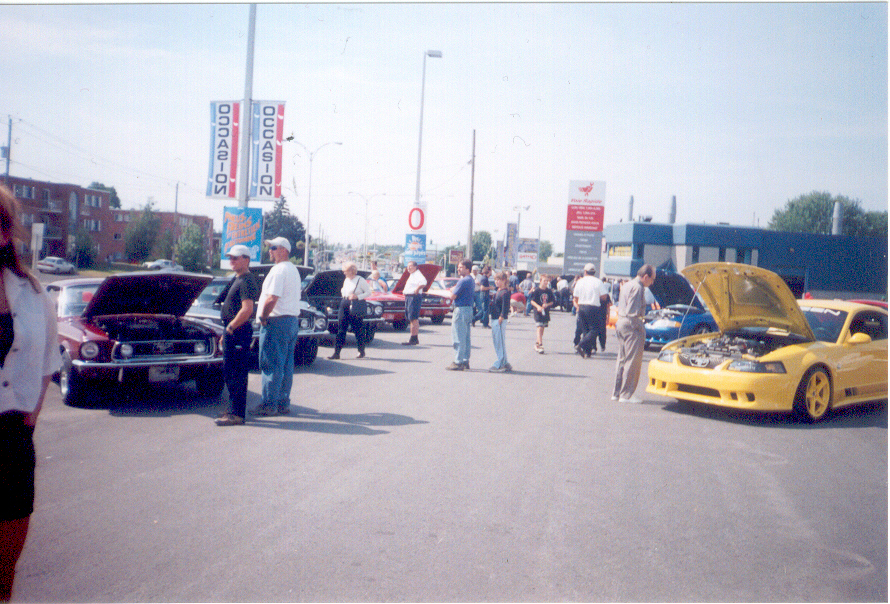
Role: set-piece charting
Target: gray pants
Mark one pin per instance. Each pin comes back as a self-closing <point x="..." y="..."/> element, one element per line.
<point x="631" y="340"/>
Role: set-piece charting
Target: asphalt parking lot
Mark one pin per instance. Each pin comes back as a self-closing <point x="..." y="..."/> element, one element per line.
<point x="395" y="480"/>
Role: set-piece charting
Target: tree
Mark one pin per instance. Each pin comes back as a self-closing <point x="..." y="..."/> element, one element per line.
<point x="813" y="213"/>
<point x="114" y="200"/>
<point x="166" y="245"/>
<point x="84" y="250"/>
<point x="281" y="223"/>
<point x="481" y="245"/>
<point x="141" y="235"/>
<point x="545" y="251"/>
<point x="191" y="250"/>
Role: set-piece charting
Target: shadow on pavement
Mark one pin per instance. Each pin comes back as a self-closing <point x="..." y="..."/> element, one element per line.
<point x="870" y="415"/>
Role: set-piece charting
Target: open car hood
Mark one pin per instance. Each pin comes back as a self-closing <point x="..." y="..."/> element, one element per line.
<point x="430" y="271"/>
<point x="325" y="283"/>
<point x="164" y="293"/>
<point x="740" y="295"/>
<point x="672" y="288"/>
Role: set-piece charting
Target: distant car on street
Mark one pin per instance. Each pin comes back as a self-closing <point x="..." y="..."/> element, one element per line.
<point x="53" y="264"/>
<point x="162" y="264"/>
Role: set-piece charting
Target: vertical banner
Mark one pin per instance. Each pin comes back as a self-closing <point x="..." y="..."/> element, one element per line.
<point x="527" y="251"/>
<point x="222" y="177"/>
<point x="584" y="224"/>
<point x="511" y="249"/>
<point x="415" y="240"/>
<point x="267" y="131"/>
<point x="242" y="226"/>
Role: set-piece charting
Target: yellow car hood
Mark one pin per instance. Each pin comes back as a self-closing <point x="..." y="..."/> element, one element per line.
<point x="740" y="295"/>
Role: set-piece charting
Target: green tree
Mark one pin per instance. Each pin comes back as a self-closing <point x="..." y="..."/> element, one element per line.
<point x="281" y="223"/>
<point x="165" y="246"/>
<point x="84" y="254"/>
<point x="191" y="250"/>
<point x="481" y="245"/>
<point x="114" y="201"/>
<point x="545" y="251"/>
<point x="142" y="234"/>
<point x="813" y="213"/>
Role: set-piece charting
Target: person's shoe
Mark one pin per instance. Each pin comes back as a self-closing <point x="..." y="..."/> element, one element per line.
<point x="614" y="397"/>
<point x="632" y="399"/>
<point x="465" y="365"/>
<point x="592" y="353"/>
<point x="266" y="411"/>
<point x="334" y="357"/>
<point x="539" y="349"/>
<point x="283" y="410"/>
<point x="360" y="354"/>
<point x="455" y="367"/>
<point x="579" y="350"/>
<point x="229" y="419"/>
<point x="412" y="341"/>
<point x="498" y="369"/>
<point x="508" y="367"/>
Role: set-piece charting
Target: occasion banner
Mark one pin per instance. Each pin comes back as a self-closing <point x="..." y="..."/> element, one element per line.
<point x="242" y="226"/>
<point x="266" y="133"/>
<point x="222" y="181"/>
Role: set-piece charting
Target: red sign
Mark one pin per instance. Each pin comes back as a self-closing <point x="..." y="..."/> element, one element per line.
<point x="416" y="218"/>
<point x="584" y="218"/>
<point x="455" y="256"/>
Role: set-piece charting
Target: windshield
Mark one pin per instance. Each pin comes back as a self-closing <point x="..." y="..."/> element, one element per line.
<point x="826" y="323"/>
<point x="209" y="295"/>
<point x="75" y="299"/>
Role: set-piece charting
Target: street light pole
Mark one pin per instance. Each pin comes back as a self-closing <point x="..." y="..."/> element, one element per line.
<point x="436" y="54"/>
<point x="309" y="193"/>
<point x="367" y="201"/>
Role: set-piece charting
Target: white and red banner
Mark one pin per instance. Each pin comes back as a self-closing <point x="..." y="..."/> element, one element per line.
<point x="584" y="224"/>
<point x="222" y="181"/>
<point x="267" y="131"/>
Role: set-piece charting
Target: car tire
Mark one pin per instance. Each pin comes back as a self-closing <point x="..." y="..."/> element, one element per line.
<point x="72" y="385"/>
<point x="210" y="382"/>
<point x="437" y="319"/>
<point x="370" y="332"/>
<point x="305" y="352"/>
<point x="812" y="401"/>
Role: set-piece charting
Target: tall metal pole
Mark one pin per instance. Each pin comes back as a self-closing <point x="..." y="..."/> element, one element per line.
<point x="246" y="109"/>
<point x="8" y="151"/>
<point x="472" y="182"/>
<point x="175" y="221"/>
<point x="435" y="54"/>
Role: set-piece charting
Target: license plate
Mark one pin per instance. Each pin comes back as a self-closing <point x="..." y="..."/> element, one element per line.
<point x="163" y="373"/>
<point x="389" y="316"/>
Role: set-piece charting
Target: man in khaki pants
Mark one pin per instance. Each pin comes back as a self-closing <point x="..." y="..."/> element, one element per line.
<point x="631" y="334"/>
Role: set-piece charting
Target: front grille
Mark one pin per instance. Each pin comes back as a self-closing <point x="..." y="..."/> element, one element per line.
<point x="701" y="391"/>
<point x="165" y="348"/>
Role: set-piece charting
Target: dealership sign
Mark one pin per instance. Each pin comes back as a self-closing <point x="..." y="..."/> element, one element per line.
<point x="584" y="224"/>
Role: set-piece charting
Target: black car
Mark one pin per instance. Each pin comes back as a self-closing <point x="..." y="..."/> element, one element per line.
<point x="313" y="324"/>
<point x="323" y="294"/>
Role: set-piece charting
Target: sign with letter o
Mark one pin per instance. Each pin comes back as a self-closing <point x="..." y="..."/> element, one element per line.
<point x="417" y="219"/>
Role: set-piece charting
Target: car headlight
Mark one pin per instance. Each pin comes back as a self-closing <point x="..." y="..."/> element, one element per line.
<point x="321" y="323"/>
<point x="666" y="356"/>
<point x="304" y="323"/>
<point x="126" y="350"/>
<point x="378" y="310"/>
<point x="200" y="347"/>
<point x="90" y="350"/>
<point x="665" y="324"/>
<point x="747" y="366"/>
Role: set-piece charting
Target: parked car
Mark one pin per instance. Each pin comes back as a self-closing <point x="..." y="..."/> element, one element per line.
<point x="774" y="353"/>
<point x="53" y="264"/>
<point x="681" y="311"/>
<point x="393" y="305"/>
<point x="130" y="327"/>
<point x="162" y="265"/>
<point x="322" y="293"/>
<point x="433" y="306"/>
<point x="313" y="324"/>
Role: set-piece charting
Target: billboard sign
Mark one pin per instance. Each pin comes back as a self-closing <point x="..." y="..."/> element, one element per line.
<point x="242" y="226"/>
<point x="415" y="248"/>
<point x="585" y="213"/>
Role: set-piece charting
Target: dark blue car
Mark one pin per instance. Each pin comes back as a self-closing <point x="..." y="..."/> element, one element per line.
<point x="681" y="311"/>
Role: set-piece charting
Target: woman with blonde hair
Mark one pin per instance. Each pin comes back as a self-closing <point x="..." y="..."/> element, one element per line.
<point x="351" y="312"/>
<point x="29" y="356"/>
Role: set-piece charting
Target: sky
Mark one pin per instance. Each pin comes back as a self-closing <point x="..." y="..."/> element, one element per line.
<point x="734" y="108"/>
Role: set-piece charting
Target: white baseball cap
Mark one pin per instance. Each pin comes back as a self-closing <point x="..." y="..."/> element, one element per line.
<point x="280" y="242"/>
<point x="238" y="250"/>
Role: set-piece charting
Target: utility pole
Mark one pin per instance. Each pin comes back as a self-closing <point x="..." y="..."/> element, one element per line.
<point x="246" y="110"/>
<point x="8" y="151"/>
<point x="472" y="185"/>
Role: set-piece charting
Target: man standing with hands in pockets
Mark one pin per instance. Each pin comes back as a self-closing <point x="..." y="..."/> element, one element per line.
<point x="413" y="296"/>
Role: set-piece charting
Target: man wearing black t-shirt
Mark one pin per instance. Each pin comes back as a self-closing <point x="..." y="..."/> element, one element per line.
<point x="238" y="302"/>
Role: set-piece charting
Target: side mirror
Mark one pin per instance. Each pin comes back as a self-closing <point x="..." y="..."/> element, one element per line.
<point x="859" y="338"/>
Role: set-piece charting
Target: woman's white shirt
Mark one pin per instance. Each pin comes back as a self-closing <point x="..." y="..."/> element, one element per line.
<point x="35" y="347"/>
<point x="357" y="286"/>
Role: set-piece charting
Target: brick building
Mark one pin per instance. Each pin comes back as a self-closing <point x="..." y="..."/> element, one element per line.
<point x="66" y="208"/>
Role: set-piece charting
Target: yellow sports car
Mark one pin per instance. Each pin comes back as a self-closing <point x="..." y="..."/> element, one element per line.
<point x="774" y="353"/>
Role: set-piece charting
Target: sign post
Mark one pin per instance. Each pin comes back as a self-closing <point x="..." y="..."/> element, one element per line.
<point x="584" y="224"/>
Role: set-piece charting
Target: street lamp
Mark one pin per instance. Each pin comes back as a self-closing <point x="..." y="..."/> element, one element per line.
<point x="436" y="54"/>
<point x="311" y="155"/>
<point x="367" y="200"/>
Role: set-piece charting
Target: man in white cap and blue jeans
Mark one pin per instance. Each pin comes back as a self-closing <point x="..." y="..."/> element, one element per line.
<point x="279" y="315"/>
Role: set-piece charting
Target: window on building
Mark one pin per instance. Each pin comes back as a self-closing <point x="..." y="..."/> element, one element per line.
<point x="721" y="255"/>
<point x="639" y="250"/>
<point x="46" y="195"/>
<point x="694" y="254"/>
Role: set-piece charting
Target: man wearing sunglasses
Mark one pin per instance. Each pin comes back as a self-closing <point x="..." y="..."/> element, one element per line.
<point x="279" y="314"/>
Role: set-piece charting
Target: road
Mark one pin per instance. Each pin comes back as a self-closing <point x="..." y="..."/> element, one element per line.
<point x="395" y="480"/>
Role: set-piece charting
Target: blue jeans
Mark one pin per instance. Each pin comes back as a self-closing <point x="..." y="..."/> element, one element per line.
<point x="498" y="338"/>
<point x="277" y="342"/>
<point x="482" y="302"/>
<point x="461" y="317"/>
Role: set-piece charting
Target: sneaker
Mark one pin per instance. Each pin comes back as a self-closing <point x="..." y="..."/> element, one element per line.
<point x="579" y="350"/>
<point x="614" y="398"/>
<point x="229" y="420"/>
<point x="592" y="353"/>
<point x="465" y="365"/>
<point x="498" y="369"/>
<point x="266" y="411"/>
<point x="539" y="349"/>
<point x="508" y="367"/>
<point x="455" y="367"/>
<point x="632" y="399"/>
<point x="360" y="355"/>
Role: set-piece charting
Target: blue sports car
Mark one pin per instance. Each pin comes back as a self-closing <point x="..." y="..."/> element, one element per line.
<point x="681" y="311"/>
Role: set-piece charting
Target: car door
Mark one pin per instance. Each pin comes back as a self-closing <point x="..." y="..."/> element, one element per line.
<point x="862" y="367"/>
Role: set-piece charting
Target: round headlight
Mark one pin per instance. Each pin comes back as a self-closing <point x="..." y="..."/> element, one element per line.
<point x="90" y="350"/>
<point x="200" y="348"/>
<point x="321" y="323"/>
<point x="378" y="310"/>
<point x="126" y="350"/>
<point x="304" y="324"/>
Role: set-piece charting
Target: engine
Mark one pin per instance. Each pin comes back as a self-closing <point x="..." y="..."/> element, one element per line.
<point x="714" y="351"/>
<point x="144" y="329"/>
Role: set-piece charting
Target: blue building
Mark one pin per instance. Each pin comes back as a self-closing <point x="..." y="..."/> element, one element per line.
<point x="827" y="266"/>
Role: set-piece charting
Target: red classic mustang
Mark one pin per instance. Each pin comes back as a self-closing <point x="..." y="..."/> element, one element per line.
<point x="432" y="306"/>
<point x="130" y="328"/>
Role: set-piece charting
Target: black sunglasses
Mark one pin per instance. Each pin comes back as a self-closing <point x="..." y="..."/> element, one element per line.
<point x="273" y="248"/>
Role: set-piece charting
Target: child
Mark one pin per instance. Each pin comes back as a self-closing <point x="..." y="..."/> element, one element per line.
<point x="500" y="313"/>
<point x="542" y="299"/>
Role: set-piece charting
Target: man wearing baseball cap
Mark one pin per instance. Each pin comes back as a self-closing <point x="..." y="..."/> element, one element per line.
<point x="238" y="300"/>
<point x="279" y="314"/>
<point x="589" y="298"/>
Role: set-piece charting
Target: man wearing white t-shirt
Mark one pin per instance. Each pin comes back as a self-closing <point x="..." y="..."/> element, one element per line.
<point x="279" y="314"/>
<point x="589" y="298"/>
